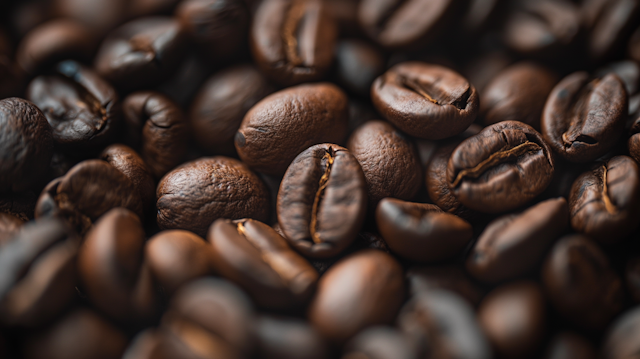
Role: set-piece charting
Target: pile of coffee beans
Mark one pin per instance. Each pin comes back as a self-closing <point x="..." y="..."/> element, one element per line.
<point x="319" y="179"/>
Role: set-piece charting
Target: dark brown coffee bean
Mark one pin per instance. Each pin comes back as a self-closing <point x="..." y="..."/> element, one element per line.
<point x="141" y="53"/>
<point x="217" y="27"/>
<point x="518" y="93"/>
<point x="513" y="245"/>
<point x="501" y="168"/>
<point x="99" y="16"/>
<point x="115" y="276"/>
<point x="628" y="71"/>
<point x="513" y="318"/>
<point x="379" y="343"/>
<point x="38" y="273"/>
<point x="197" y="193"/>
<point x="82" y="108"/>
<point x="288" y="338"/>
<point x="581" y="284"/>
<point x="584" y="118"/>
<point x="421" y="232"/>
<point x="158" y="126"/>
<point x="450" y="278"/>
<point x="292" y="41"/>
<point x="363" y="289"/>
<point x="358" y="64"/>
<point x="605" y="202"/>
<point x="398" y="24"/>
<point x="623" y="338"/>
<point x="322" y="201"/>
<point x="54" y="41"/>
<point x="177" y="257"/>
<point x="444" y="325"/>
<point x="632" y="278"/>
<point x="567" y="345"/>
<point x="288" y="122"/>
<point x="253" y="255"/>
<point x="10" y="224"/>
<point x="79" y="335"/>
<point x="388" y="159"/>
<point x="610" y="24"/>
<point x="26" y="144"/>
<point x="426" y="101"/>
<point x="221" y="103"/>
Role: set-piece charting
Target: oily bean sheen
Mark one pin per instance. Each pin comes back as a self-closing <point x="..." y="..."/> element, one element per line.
<point x="293" y="41"/>
<point x="513" y="245"/>
<point x="288" y="122"/>
<point x="404" y="23"/>
<point x="322" y="201"/>
<point x="256" y="257"/>
<point x="623" y="338"/>
<point x="421" y="232"/>
<point x="605" y="202"/>
<point x="583" y="117"/>
<point x="26" y="144"/>
<point x="581" y="284"/>
<point x="379" y="342"/>
<point x="501" y="168"/>
<point x="426" y="101"/>
<point x="388" y="159"/>
<point x="197" y="193"/>
<point x="363" y="289"/>
<point x="82" y="108"/>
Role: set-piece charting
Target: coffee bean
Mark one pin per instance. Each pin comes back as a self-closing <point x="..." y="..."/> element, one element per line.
<point x="197" y="193"/>
<point x="610" y="24"/>
<point x="157" y="125"/>
<point x="513" y="245"/>
<point x="98" y="15"/>
<point x="288" y="338"/>
<point x="322" y="201"/>
<point x="379" y="342"/>
<point x="358" y="64"/>
<point x="485" y="170"/>
<point x="426" y="101"/>
<point x="388" y="159"/>
<point x="363" y="289"/>
<point x="287" y="122"/>
<point x="518" y="93"/>
<point x="253" y="255"/>
<point x="157" y="343"/>
<point x="623" y="337"/>
<point x="449" y="278"/>
<point x="220" y="105"/>
<point x="628" y="71"/>
<point x="567" y="345"/>
<point x="421" y="232"/>
<point x="632" y="278"/>
<point x="513" y="318"/>
<point x="604" y="202"/>
<point x="584" y="118"/>
<point x="26" y="144"/>
<point x="581" y="284"/>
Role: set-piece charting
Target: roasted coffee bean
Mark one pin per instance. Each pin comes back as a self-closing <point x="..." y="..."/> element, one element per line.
<point x="398" y="24"/>
<point x="220" y="105"/>
<point x="632" y="278"/>
<point x="450" y="278"/>
<point x="605" y="202"/>
<point x="518" y="93"/>
<point x="141" y="53"/>
<point x="547" y="28"/>
<point x="567" y="345"/>
<point x="177" y="257"/>
<point x="358" y="64"/>
<point x="513" y="245"/>
<point x="26" y="144"/>
<point x="581" y="284"/>
<point x="99" y="16"/>
<point x="388" y="159"/>
<point x="444" y="325"/>
<point x="513" y="319"/>
<point x="38" y="273"/>
<point x="115" y="276"/>
<point x="322" y="201"/>
<point x="628" y="71"/>
<point x="421" y="232"/>
<point x="218" y="27"/>
<point x="80" y="334"/>
<point x="185" y="82"/>
<point x="10" y="224"/>
<point x="288" y="338"/>
<point x="293" y="41"/>
<point x="426" y="101"/>
<point x="623" y="337"/>
<point x="610" y="24"/>
<point x="379" y="343"/>
<point x="253" y="255"/>
<point x="158" y="126"/>
<point x="54" y="41"/>
<point x="363" y="289"/>
<point x="501" y="168"/>
<point x="584" y="118"/>
<point x="288" y="122"/>
<point x="82" y="108"/>
<point x="197" y="193"/>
